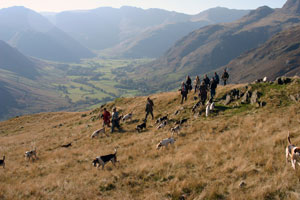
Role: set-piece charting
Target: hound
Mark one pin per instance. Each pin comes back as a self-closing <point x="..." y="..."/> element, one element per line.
<point x="162" y="125"/>
<point x="265" y="79"/>
<point x="31" y="154"/>
<point x="2" y="162"/>
<point x="97" y="132"/>
<point x="210" y="106"/>
<point x="66" y="145"/>
<point x="165" y="143"/>
<point x="161" y="119"/>
<point x="102" y="160"/>
<point x="180" y="122"/>
<point x="142" y="126"/>
<point x="126" y="117"/>
<point x="196" y="106"/>
<point x="176" y="129"/>
<point x="293" y="152"/>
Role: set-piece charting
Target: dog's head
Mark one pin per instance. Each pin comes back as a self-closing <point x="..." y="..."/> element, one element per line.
<point x="95" y="162"/>
<point x="27" y="153"/>
<point x="158" y="146"/>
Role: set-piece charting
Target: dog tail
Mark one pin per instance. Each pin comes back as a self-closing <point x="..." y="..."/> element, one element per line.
<point x="3" y="158"/>
<point x="289" y="139"/>
<point x="115" y="150"/>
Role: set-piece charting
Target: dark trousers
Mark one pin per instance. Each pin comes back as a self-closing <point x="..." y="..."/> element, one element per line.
<point x="183" y="97"/>
<point x="225" y="82"/>
<point x="115" y="123"/>
<point x="203" y="98"/>
<point x="212" y="93"/>
<point x="149" y="112"/>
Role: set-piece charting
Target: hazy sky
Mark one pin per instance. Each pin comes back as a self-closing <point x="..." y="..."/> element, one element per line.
<point x="185" y="6"/>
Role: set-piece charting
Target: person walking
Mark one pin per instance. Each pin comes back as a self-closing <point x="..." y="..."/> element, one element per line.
<point x="206" y="80"/>
<point x="225" y="76"/>
<point x="115" y="120"/>
<point x="184" y="92"/>
<point x="196" y="84"/>
<point x="149" y="108"/>
<point x="213" y="86"/>
<point x="203" y="93"/>
<point x="106" y="118"/>
<point x="217" y="78"/>
<point x="189" y="83"/>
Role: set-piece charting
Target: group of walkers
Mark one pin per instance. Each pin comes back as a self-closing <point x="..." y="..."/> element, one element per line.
<point x="115" y="118"/>
<point x="204" y="86"/>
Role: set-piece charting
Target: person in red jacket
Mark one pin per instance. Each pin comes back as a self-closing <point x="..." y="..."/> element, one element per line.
<point x="106" y="117"/>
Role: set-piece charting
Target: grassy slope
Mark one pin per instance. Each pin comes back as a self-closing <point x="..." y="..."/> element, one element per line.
<point x="208" y="161"/>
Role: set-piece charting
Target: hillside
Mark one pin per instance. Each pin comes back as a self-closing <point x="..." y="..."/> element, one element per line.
<point x="278" y="56"/>
<point x="12" y="60"/>
<point x="153" y="42"/>
<point x="135" y="32"/>
<point x="34" y="35"/>
<point x="214" y="46"/>
<point x="236" y="153"/>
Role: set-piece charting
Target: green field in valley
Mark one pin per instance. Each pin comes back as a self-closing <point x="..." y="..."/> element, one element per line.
<point x="95" y="81"/>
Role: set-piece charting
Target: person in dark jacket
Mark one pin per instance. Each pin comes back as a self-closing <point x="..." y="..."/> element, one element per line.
<point x="206" y="80"/>
<point x="203" y="92"/>
<point x="184" y="92"/>
<point x="115" y="120"/>
<point x="225" y="76"/>
<point x="149" y="108"/>
<point x="213" y="86"/>
<point x="189" y="83"/>
<point x="217" y="78"/>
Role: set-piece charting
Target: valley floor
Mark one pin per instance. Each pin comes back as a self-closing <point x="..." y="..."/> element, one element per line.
<point x="210" y="159"/>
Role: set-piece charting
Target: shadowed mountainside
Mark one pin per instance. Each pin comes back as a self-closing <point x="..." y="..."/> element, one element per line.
<point x="34" y="35"/>
<point x="12" y="60"/>
<point x="279" y="56"/>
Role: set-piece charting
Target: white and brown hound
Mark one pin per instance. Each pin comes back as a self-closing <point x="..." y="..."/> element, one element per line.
<point x="293" y="152"/>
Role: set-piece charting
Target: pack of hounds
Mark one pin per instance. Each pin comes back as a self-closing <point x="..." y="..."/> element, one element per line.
<point x="292" y="151"/>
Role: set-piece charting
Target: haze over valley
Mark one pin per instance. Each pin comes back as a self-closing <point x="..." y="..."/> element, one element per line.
<point x="76" y="60"/>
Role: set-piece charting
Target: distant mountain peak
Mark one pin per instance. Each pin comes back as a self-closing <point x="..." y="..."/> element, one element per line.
<point x="292" y="6"/>
<point x="261" y="11"/>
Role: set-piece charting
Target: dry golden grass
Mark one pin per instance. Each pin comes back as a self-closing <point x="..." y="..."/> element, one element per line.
<point x="208" y="161"/>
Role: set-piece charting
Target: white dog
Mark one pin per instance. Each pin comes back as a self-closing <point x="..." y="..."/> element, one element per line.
<point x="162" y="125"/>
<point x="165" y="143"/>
<point x="293" y="152"/>
<point x="126" y="117"/>
<point x="209" y="107"/>
<point x="176" y="129"/>
<point x="97" y="132"/>
<point x="212" y="106"/>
